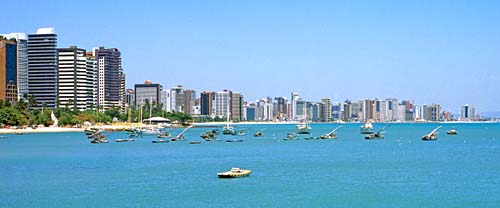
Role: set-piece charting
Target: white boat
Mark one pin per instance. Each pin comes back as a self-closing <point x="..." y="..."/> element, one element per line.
<point x="367" y="128"/>
<point x="234" y="173"/>
<point x="228" y="129"/>
<point x="304" y="127"/>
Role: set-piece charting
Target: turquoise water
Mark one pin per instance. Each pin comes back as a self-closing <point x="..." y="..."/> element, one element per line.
<point x="65" y="170"/>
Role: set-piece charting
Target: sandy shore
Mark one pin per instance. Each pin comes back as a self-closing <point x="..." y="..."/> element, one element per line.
<point x="40" y="130"/>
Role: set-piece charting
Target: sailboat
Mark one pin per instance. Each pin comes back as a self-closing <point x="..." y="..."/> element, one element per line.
<point x="431" y="136"/>
<point x="181" y="135"/>
<point x="304" y="127"/>
<point x="330" y="135"/>
<point x="228" y="129"/>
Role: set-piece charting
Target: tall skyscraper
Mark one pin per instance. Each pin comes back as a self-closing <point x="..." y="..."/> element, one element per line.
<point x="281" y="107"/>
<point x="148" y="91"/>
<point x="336" y="111"/>
<point x="166" y="100"/>
<point x="8" y="70"/>
<point x="188" y="101"/>
<point x="327" y="113"/>
<point x="110" y="79"/>
<point x="91" y="80"/>
<point x="293" y="105"/>
<point x="467" y="113"/>
<point x="42" y="67"/>
<point x="22" y="61"/>
<point x="176" y="99"/>
<point x="222" y="103"/>
<point x="207" y="103"/>
<point x="236" y="106"/>
<point x="74" y="89"/>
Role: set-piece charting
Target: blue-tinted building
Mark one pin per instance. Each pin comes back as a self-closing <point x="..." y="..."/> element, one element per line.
<point x="8" y="70"/>
<point x="250" y="113"/>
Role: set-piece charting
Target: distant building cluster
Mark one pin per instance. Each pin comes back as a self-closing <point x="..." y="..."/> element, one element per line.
<point x="60" y="77"/>
<point x="226" y="103"/>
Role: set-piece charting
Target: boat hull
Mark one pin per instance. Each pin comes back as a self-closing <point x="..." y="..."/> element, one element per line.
<point x="230" y="174"/>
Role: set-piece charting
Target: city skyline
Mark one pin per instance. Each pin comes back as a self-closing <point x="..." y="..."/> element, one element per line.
<point x="432" y="52"/>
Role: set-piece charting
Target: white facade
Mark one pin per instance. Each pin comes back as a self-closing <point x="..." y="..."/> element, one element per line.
<point x="293" y="105"/>
<point x="221" y="103"/>
<point x="166" y="100"/>
<point x="74" y="89"/>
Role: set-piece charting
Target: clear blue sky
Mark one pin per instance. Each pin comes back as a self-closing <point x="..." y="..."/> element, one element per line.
<point x="446" y="52"/>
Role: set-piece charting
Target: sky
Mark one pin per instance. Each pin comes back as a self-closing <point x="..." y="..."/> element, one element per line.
<point x="438" y="51"/>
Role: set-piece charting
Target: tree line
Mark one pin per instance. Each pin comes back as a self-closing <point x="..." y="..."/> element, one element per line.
<point x="23" y="112"/>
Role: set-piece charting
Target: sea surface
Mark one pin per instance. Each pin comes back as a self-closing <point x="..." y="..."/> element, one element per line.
<point x="66" y="170"/>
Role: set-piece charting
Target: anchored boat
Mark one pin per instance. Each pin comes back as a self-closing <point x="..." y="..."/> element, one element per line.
<point x="367" y="128"/>
<point x="452" y="131"/>
<point x="431" y="136"/>
<point x="234" y="173"/>
<point x="330" y="135"/>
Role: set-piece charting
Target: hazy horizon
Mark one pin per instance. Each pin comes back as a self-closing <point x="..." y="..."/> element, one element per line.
<point x="443" y="52"/>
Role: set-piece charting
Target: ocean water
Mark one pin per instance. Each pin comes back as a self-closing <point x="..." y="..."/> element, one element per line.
<point x="65" y="170"/>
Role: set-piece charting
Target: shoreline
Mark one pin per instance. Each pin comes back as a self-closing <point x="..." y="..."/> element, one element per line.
<point x="40" y="130"/>
<point x="209" y="125"/>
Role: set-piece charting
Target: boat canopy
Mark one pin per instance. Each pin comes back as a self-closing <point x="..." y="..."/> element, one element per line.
<point x="157" y="119"/>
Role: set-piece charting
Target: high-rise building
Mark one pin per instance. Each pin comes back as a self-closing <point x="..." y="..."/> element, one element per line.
<point x="8" y="70"/>
<point x="467" y="113"/>
<point x="188" y="101"/>
<point x="166" y="100"/>
<point x="369" y="109"/>
<point x="176" y="99"/>
<point x="346" y="114"/>
<point x="222" y="103"/>
<point x="408" y="109"/>
<point x="236" y="106"/>
<point x="129" y="98"/>
<point x="147" y="92"/>
<point x="281" y="107"/>
<point x="336" y="111"/>
<point x="250" y="111"/>
<point x="293" y="105"/>
<point x="91" y="80"/>
<point x="73" y="88"/>
<point x="110" y="79"/>
<point x="432" y="112"/>
<point x="22" y="61"/>
<point x="42" y="67"/>
<point x="327" y="113"/>
<point x="207" y="103"/>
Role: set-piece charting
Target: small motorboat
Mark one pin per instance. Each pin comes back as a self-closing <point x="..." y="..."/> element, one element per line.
<point x="234" y="173"/>
<point x="431" y="136"/>
<point x="242" y="133"/>
<point x="452" y="131"/>
<point x="195" y="142"/>
<point x="290" y="136"/>
<point x="124" y="140"/>
<point x="164" y="135"/>
<point x="234" y="140"/>
<point x="160" y="141"/>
